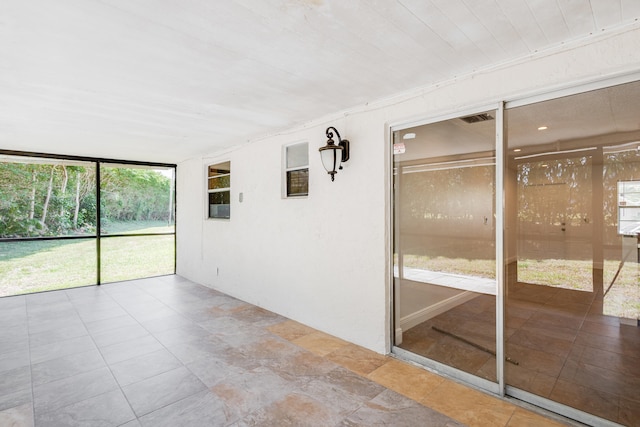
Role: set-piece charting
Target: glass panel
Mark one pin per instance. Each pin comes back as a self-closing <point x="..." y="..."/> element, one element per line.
<point x="220" y="204"/>
<point x="297" y="155"/>
<point x="46" y="197"/>
<point x="572" y="294"/>
<point x="46" y="265"/>
<point x="621" y="276"/>
<point x="629" y="207"/>
<point x="298" y="182"/>
<point x="554" y="222"/>
<point x="135" y="257"/>
<point x="137" y="199"/>
<point x="220" y="169"/>
<point x="222" y="181"/>
<point x="444" y="261"/>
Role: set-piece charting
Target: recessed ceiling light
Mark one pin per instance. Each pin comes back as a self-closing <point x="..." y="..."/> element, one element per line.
<point x="517" y="150"/>
<point x="543" y="128"/>
<point x="544" y="165"/>
<point x="409" y="135"/>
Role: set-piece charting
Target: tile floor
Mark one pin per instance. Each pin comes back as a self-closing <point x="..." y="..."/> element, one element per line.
<point x="169" y="352"/>
<point x="566" y="349"/>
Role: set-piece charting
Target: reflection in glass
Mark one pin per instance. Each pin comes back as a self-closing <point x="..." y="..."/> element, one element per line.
<point x="297" y="155"/>
<point x="219" y="190"/>
<point x="554" y="221"/>
<point x="298" y="182"/>
<point x="127" y="258"/>
<point x="444" y="260"/>
<point x="220" y="204"/>
<point x="46" y="265"/>
<point x="217" y="182"/>
<point x="573" y="289"/>
<point x="452" y="204"/>
<point x="621" y="276"/>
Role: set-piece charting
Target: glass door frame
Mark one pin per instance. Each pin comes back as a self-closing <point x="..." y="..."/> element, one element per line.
<point x="500" y="142"/>
<point x="500" y="388"/>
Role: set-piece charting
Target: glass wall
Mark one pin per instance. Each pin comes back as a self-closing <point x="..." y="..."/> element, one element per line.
<point x="137" y="221"/>
<point x="135" y="257"/>
<point x="46" y="265"/>
<point x="54" y="220"/>
<point x="47" y="208"/>
<point x="41" y="197"/>
<point x="136" y="199"/>
<point x="445" y="254"/>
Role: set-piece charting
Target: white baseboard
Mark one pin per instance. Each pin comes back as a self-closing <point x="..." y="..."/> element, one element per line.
<point x="427" y="313"/>
<point x="630" y="322"/>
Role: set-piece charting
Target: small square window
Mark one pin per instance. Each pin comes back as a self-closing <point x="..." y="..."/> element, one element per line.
<point x="219" y="190"/>
<point x="297" y="170"/>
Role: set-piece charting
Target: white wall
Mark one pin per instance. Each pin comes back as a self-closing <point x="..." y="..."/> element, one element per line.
<point x="323" y="260"/>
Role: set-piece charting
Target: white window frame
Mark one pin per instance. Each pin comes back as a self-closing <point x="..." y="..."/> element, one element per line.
<point x="285" y="170"/>
<point x="219" y="165"/>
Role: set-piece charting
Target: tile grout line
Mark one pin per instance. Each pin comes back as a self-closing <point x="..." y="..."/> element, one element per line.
<point x="137" y="417"/>
<point x="368" y="376"/>
<point x="100" y="352"/>
<point x="445" y="381"/>
<point x="326" y="355"/>
<point x="33" y="400"/>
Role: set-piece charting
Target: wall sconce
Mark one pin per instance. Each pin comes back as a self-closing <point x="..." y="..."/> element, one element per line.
<point x="333" y="155"/>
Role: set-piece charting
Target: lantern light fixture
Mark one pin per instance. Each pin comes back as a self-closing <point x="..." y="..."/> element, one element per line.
<point x="333" y="155"/>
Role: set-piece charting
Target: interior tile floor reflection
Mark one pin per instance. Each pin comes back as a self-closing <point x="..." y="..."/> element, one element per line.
<point x="566" y="350"/>
<point x="168" y="352"/>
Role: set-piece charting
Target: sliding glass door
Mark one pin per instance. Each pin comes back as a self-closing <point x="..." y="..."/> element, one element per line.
<point x="556" y="323"/>
<point x="445" y="252"/>
<point x="573" y="298"/>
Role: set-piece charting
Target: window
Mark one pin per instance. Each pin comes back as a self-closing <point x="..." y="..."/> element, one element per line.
<point x="629" y="208"/>
<point x="219" y="190"/>
<point x="76" y="221"/>
<point x="297" y="170"/>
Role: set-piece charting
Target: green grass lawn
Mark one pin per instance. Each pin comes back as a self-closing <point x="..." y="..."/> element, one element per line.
<point x="36" y="266"/>
<point x="126" y="258"/>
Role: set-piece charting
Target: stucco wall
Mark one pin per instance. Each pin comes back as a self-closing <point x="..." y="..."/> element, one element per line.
<point x="323" y="260"/>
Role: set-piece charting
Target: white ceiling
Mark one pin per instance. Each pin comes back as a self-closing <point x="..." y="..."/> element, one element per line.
<point x="164" y="80"/>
